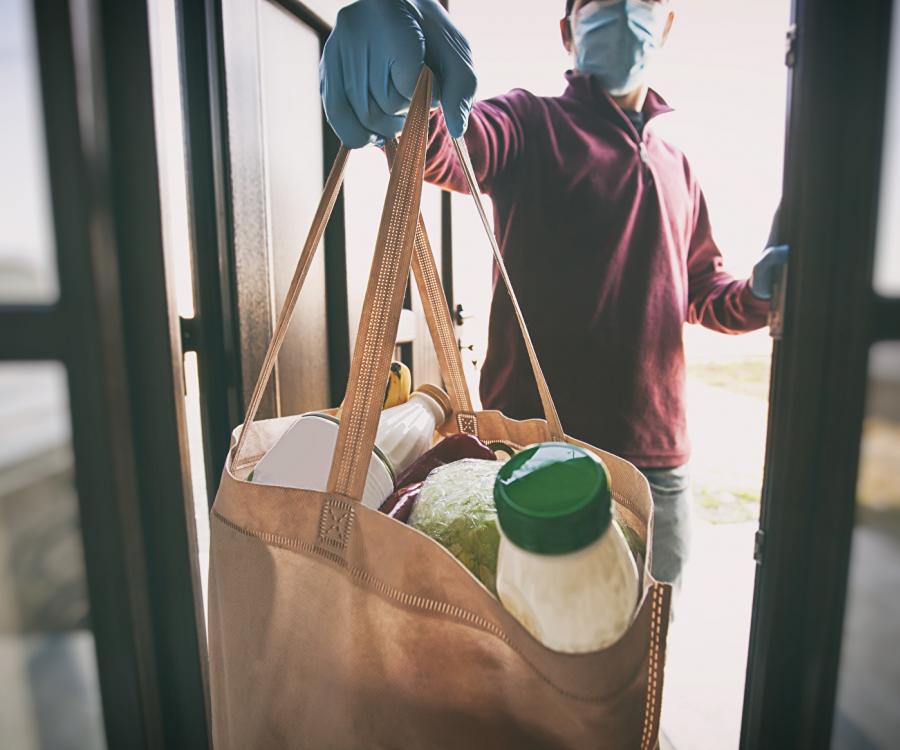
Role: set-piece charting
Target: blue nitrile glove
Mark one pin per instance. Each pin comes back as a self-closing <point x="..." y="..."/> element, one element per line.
<point x="373" y="58"/>
<point x="762" y="280"/>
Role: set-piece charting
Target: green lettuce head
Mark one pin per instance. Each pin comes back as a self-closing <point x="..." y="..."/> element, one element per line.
<point x="456" y="508"/>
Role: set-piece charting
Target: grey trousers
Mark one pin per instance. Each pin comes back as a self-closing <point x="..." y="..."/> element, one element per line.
<point x="671" y="490"/>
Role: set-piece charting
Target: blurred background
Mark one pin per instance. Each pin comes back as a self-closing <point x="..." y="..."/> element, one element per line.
<point x="724" y="73"/>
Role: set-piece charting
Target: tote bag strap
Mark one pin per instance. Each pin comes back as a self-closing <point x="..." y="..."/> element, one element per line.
<point x="442" y="328"/>
<point x="549" y="408"/>
<point x="377" y="332"/>
<point x="440" y="325"/>
<point x="381" y="309"/>
<point x="434" y="305"/>
<point x="431" y="291"/>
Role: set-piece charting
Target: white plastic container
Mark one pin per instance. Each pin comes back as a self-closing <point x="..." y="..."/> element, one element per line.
<point x="406" y="431"/>
<point x="302" y="459"/>
<point x="564" y="570"/>
<point x="302" y="456"/>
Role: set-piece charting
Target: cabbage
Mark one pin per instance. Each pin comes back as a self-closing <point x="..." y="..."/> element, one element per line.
<point x="456" y="508"/>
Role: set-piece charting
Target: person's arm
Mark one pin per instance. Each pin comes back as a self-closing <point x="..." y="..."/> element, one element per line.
<point x="716" y="299"/>
<point x="495" y="139"/>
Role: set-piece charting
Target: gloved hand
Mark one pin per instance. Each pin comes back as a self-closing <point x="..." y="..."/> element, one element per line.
<point x="762" y="280"/>
<point x="373" y="58"/>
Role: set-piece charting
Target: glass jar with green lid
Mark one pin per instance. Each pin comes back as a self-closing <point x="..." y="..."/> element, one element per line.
<point x="564" y="569"/>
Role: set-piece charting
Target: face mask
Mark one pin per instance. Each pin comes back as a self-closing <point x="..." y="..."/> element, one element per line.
<point x="615" y="39"/>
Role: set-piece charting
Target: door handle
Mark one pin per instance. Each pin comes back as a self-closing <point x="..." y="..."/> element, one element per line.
<point x="776" y="309"/>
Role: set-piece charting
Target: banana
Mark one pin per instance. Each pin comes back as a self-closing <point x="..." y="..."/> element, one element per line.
<point x="399" y="385"/>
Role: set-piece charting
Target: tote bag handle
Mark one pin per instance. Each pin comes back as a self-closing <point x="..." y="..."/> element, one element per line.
<point x="434" y="305"/>
<point x="401" y="237"/>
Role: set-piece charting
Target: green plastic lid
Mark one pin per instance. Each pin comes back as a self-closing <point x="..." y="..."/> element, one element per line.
<point x="553" y="498"/>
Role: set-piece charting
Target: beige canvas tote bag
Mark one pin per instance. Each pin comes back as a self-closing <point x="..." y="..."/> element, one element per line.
<point x="334" y="626"/>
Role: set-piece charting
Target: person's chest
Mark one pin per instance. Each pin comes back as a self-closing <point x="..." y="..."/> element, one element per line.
<point x="603" y="187"/>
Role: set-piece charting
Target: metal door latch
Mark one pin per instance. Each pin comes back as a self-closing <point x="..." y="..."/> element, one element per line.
<point x="758" y="545"/>
<point x="190" y="333"/>
<point x="459" y="317"/>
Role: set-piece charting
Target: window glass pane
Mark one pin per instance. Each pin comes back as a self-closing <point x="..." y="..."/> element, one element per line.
<point x="50" y="693"/>
<point x="27" y="252"/>
<point x="866" y="713"/>
<point x="887" y="257"/>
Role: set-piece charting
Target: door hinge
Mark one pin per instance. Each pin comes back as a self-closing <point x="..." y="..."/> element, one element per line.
<point x="790" y="54"/>
<point x="758" y="541"/>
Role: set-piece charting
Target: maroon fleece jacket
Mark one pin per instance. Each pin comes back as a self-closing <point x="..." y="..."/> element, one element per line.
<point x="607" y="238"/>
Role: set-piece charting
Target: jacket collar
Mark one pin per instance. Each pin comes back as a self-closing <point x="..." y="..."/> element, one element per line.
<point x="588" y="90"/>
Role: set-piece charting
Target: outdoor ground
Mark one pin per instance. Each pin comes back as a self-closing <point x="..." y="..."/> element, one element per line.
<point x="727" y="403"/>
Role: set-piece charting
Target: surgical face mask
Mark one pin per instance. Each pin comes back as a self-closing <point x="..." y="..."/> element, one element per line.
<point x="615" y="40"/>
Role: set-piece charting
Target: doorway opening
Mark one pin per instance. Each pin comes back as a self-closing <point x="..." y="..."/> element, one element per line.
<point x="729" y="96"/>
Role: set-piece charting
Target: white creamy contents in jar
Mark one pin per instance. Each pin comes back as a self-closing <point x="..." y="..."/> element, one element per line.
<point x="564" y="571"/>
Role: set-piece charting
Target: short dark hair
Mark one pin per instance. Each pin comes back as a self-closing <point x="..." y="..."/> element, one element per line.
<point x="569" y="4"/>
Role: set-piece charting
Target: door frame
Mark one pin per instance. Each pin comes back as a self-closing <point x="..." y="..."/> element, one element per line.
<point x="114" y="328"/>
<point x="829" y="218"/>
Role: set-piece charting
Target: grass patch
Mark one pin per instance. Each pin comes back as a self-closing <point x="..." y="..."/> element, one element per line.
<point x="724" y="506"/>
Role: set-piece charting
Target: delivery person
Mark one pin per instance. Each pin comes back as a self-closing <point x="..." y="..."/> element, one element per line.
<point x="602" y="224"/>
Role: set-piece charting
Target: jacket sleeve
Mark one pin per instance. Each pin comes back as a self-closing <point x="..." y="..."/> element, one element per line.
<point x="495" y="138"/>
<point x="716" y="299"/>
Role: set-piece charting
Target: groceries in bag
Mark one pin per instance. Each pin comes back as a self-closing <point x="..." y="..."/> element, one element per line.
<point x="564" y="568"/>
<point x="456" y="508"/>
<point x="409" y="484"/>
<point x="406" y="431"/>
<point x="537" y="529"/>
<point x="450" y="449"/>
<point x="398" y="388"/>
<point x="302" y="456"/>
<point x="301" y="459"/>
<point x="401" y="502"/>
